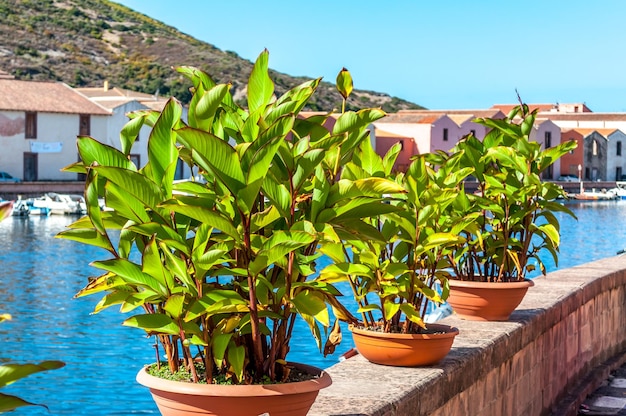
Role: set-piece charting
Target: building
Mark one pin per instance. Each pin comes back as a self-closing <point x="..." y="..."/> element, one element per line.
<point x="436" y="130"/>
<point x="39" y="124"/>
<point x="120" y="102"/>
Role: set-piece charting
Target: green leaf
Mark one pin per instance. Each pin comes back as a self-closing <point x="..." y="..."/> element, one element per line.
<point x="130" y="132"/>
<point x="310" y="303"/>
<point x="90" y="237"/>
<point x="207" y="216"/>
<point x="350" y="120"/>
<point x="9" y="403"/>
<point x="236" y="358"/>
<point x="10" y="373"/>
<point x="92" y="152"/>
<point x="174" y="306"/>
<point x="390" y="309"/>
<point x="215" y="155"/>
<point x="133" y="183"/>
<point x="162" y="151"/>
<point x="132" y="274"/>
<point x="153" y="324"/>
<point x="210" y="101"/>
<point x="260" y="86"/>
<point x="219" y="343"/>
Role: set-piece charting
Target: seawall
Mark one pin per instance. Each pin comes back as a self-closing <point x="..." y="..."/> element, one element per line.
<point x="560" y="343"/>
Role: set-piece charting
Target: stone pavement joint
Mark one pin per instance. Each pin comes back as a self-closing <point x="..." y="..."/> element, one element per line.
<point x="609" y="398"/>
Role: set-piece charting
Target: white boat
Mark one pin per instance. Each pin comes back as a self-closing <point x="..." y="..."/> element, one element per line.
<point x="61" y="204"/>
<point x="620" y="189"/>
<point x="25" y="208"/>
<point x="594" y="195"/>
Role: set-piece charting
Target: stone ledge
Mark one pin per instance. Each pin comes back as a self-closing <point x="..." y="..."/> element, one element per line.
<point x="524" y="366"/>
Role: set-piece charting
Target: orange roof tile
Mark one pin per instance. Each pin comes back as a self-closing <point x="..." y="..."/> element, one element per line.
<point x="588" y="131"/>
<point x="383" y="133"/>
<point x="45" y="97"/>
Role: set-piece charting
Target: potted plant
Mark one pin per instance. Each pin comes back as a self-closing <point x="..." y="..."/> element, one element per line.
<point x="221" y="266"/>
<point x="403" y="268"/>
<point x="514" y="209"/>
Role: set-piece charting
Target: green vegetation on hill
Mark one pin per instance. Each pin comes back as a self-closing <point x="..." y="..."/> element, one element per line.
<point x="85" y="42"/>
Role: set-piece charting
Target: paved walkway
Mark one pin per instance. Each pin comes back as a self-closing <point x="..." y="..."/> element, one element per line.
<point x="608" y="399"/>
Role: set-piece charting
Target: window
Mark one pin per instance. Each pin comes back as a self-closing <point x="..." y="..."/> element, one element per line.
<point x="136" y="159"/>
<point x="84" y="125"/>
<point x="548" y="139"/>
<point x="619" y="149"/>
<point x="445" y="135"/>
<point x="594" y="147"/>
<point x="30" y="128"/>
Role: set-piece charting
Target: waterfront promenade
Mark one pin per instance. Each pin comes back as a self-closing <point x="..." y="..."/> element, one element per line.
<point x="610" y="397"/>
<point x="558" y="346"/>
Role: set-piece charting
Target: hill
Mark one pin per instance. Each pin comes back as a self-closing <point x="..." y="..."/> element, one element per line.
<point x="87" y="42"/>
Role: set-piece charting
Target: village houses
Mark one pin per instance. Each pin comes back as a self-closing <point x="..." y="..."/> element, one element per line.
<point x="39" y="123"/>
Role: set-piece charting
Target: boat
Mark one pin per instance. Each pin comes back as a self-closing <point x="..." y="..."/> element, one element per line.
<point x="594" y="195"/>
<point x="25" y="208"/>
<point x="61" y="204"/>
<point x="620" y="189"/>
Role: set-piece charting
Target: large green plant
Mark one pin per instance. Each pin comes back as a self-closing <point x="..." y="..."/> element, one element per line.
<point x="514" y="206"/>
<point x="405" y="264"/>
<point x="226" y="263"/>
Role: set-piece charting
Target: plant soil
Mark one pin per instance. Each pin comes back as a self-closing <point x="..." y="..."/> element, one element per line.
<point x="184" y="375"/>
<point x="398" y="329"/>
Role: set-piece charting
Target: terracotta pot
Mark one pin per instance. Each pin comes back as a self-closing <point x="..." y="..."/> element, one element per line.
<point x="175" y="398"/>
<point x="405" y="350"/>
<point x="485" y="301"/>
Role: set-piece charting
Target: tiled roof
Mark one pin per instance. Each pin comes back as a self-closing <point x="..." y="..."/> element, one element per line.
<point x="114" y="97"/>
<point x="383" y="133"/>
<point x="114" y="92"/>
<point x="45" y="97"/>
<point x="602" y="132"/>
<point x="585" y="116"/>
<point x="568" y="108"/>
<point x="488" y="113"/>
<point x="506" y="108"/>
<point x="402" y="117"/>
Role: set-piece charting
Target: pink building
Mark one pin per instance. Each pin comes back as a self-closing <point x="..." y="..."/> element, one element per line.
<point x="384" y="140"/>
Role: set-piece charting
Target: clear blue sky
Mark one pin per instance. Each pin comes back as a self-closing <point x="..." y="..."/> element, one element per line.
<point x="441" y="54"/>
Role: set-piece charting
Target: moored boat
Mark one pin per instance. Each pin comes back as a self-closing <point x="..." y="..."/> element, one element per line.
<point x="61" y="204"/>
<point x="620" y="189"/>
<point x="25" y="208"/>
<point x="594" y="195"/>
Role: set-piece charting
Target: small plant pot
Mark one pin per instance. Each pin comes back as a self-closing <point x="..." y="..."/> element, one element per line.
<point x="175" y="398"/>
<point x="405" y="350"/>
<point x="486" y="301"/>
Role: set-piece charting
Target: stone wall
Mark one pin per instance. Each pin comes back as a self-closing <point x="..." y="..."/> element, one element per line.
<point x="543" y="361"/>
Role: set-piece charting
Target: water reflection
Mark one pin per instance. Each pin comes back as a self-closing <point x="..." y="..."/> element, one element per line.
<point x="41" y="274"/>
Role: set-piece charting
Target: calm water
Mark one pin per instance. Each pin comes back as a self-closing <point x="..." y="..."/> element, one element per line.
<point x="40" y="275"/>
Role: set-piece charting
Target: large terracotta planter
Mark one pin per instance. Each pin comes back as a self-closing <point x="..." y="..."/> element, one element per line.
<point x="485" y="301"/>
<point x="405" y="350"/>
<point x="175" y="398"/>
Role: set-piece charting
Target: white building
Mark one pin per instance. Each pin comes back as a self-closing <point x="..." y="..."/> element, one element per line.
<point x="39" y="124"/>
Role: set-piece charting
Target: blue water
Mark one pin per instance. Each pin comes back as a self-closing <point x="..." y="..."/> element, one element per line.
<point x="40" y="275"/>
